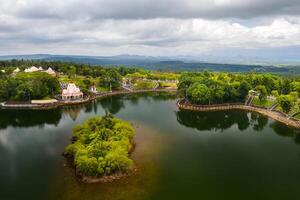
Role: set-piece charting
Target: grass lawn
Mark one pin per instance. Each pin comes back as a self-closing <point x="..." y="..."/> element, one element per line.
<point x="266" y="103"/>
<point x="167" y="84"/>
<point x="79" y="81"/>
<point x="143" y="84"/>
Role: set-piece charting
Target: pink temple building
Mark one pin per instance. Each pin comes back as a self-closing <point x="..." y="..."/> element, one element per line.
<point x="71" y="93"/>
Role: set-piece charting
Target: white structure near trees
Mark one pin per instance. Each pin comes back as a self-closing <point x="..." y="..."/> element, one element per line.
<point x="93" y="89"/>
<point x="71" y="93"/>
<point x="17" y="70"/>
<point x="32" y="69"/>
<point x="50" y="71"/>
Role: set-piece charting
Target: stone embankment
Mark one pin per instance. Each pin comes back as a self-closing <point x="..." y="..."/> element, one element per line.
<point x="276" y="115"/>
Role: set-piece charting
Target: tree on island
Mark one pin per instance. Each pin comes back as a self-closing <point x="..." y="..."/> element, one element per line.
<point x="101" y="146"/>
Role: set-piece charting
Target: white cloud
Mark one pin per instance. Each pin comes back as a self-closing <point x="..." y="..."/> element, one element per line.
<point x="102" y="27"/>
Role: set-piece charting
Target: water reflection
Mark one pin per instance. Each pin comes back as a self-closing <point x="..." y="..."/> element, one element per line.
<point x="258" y="121"/>
<point x="116" y="103"/>
<point x="221" y="120"/>
<point x="112" y="104"/>
<point x="168" y="143"/>
<point x="27" y="118"/>
<point x="285" y="131"/>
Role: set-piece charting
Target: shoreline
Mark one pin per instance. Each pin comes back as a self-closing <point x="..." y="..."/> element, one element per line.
<point x="70" y="103"/>
<point x="275" y="115"/>
<point x="98" y="179"/>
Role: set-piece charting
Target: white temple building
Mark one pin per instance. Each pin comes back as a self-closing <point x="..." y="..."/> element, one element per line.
<point x="32" y="69"/>
<point x="50" y="71"/>
<point x="17" y="70"/>
<point x="71" y="93"/>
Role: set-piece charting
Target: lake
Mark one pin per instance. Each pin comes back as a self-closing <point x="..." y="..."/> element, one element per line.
<point x="230" y="155"/>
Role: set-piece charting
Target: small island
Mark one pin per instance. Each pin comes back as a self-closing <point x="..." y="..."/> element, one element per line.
<point x="100" y="149"/>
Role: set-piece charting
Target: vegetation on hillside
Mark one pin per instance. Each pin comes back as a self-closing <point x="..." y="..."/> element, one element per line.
<point x="101" y="146"/>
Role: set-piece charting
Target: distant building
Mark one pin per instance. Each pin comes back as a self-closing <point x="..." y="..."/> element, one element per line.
<point x="71" y="93"/>
<point x="17" y="70"/>
<point x="50" y="71"/>
<point x="32" y="69"/>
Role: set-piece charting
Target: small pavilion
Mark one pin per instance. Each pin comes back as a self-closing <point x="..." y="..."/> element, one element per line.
<point x="71" y="93"/>
<point x="93" y="89"/>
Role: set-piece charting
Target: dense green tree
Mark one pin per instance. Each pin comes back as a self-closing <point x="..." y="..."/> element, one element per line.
<point x="262" y="92"/>
<point x="199" y="93"/>
<point x="110" y="79"/>
<point x="244" y="89"/>
<point x="275" y="93"/>
<point x="101" y="146"/>
<point x="230" y="87"/>
<point x="294" y="96"/>
<point x="286" y="102"/>
<point x="27" y="86"/>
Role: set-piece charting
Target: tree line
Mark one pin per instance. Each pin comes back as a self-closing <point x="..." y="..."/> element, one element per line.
<point x="214" y="88"/>
<point x="27" y="86"/>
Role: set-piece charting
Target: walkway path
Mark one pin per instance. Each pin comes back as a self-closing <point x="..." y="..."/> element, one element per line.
<point x="249" y="100"/>
<point x="276" y="115"/>
<point x="273" y="106"/>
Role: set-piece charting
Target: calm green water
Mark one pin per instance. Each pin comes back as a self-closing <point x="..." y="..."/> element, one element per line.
<point x="179" y="155"/>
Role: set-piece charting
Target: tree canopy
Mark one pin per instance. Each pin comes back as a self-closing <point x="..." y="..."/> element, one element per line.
<point x="26" y="86"/>
<point x="207" y="87"/>
<point x="102" y="145"/>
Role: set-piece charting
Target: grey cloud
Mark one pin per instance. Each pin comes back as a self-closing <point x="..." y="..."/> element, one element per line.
<point x="146" y="9"/>
<point x="98" y="27"/>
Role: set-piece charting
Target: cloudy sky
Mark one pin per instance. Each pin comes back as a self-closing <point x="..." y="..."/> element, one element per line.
<point x="149" y="27"/>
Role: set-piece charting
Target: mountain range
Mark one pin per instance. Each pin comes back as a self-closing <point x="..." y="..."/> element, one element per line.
<point x="160" y="63"/>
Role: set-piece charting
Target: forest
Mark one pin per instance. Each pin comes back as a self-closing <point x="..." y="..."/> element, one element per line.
<point x="217" y="88"/>
<point x="25" y="86"/>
